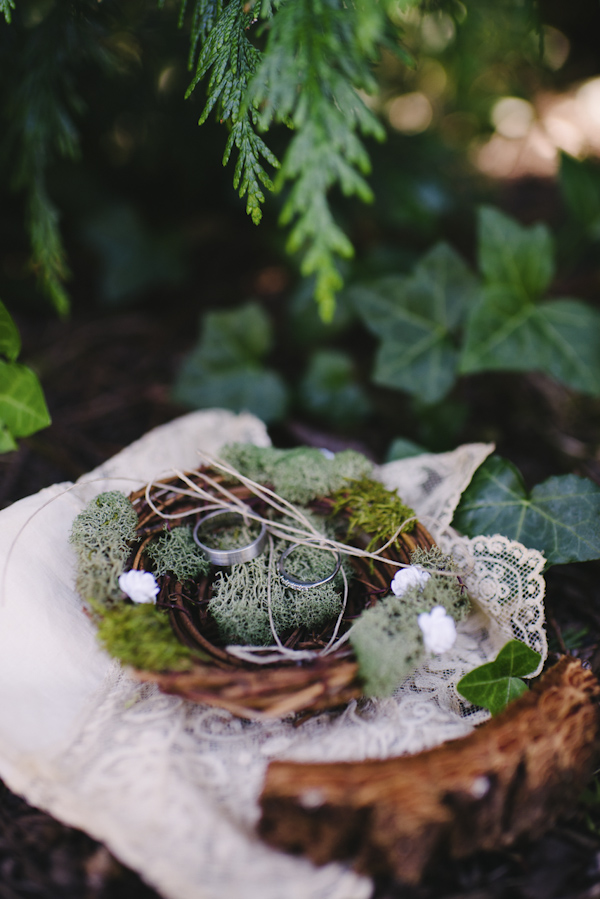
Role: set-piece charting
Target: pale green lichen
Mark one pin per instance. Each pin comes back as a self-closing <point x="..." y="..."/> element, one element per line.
<point x="176" y="552"/>
<point x="140" y="635"/>
<point x="239" y="603"/>
<point x="387" y="640"/>
<point x="101" y="536"/>
<point x="299" y="475"/>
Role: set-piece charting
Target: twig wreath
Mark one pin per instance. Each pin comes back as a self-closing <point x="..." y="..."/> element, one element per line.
<point x="268" y="582"/>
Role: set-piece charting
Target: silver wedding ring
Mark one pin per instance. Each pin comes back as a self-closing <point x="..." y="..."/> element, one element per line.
<point x="225" y="557"/>
<point x="290" y="581"/>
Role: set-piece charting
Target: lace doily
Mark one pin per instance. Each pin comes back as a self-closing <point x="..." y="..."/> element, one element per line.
<point x="172" y="787"/>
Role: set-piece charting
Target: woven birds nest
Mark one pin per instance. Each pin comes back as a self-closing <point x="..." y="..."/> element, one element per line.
<point x="220" y="677"/>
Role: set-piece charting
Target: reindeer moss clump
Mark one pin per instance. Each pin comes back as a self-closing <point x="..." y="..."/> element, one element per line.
<point x="299" y="475"/>
<point x="387" y="639"/>
<point x="373" y="509"/>
<point x="177" y="552"/>
<point x="140" y="635"/>
<point x="100" y="536"/>
<point x="239" y="603"/>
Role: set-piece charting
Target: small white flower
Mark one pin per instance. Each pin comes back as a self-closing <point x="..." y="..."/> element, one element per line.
<point x="139" y="586"/>
<point x="439" y="630"/>
<point x="413" y="576"/>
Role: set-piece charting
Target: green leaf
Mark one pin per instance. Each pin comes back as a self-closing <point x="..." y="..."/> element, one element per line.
<point x="10" y="341"/>
<point x="5" y="7"/>
<point x="505" y="331"/>
<point x="242" y="389"/>
<point x="22" y="406"/>
<point x="240" y="336"/>
<point x="560" y="516"/>
<point x="329" y="389"/>
<point x="132" y="258"/>
<point x="513" y="256"/>
<point x="497" y="683"/>
<point x="416" y="317"/>
<point x="7" y="442"/>
<point x="225" y="367"/>
<point x="402" y="448"/>
<point x="580" y="185"/>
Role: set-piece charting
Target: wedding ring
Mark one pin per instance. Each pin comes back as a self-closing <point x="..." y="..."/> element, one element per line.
<point x="290" y="581"/>
<point x="225" y="557"/>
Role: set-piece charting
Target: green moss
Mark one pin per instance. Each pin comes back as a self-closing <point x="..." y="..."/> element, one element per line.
<point x="176" y="551"/>
<point x="140" y="635"/>
<point x="101" y="536"/>
<point x="387" y="639"/>
<point x="299" y="475"/>
<point x="373" y="510"/>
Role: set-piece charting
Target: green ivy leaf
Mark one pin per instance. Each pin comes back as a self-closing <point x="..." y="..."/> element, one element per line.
<point x="416" y="317"/>
<point x="7" y="442"/>
<point x="559" y="517"/>
<point x="506" y="331"/>
<point x="329" y="389"/>
<point x="224" y="369"/>
<point x="10" y="341"/>
<point x="497" y="683"/>
<point x="22" y="405"/>
<point x="240" y="336"/>
<point x="514" y="256"/>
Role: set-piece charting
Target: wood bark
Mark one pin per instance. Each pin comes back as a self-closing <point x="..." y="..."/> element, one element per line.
<point x="512" y="776"/>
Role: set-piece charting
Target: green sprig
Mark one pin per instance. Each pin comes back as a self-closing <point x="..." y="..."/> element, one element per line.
<point x="232" y="60"/>
<point x="5" y="7"/>
<point x="307" y="79"/>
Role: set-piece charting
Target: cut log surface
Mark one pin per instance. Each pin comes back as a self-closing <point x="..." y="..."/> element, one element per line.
<point x="511" y="777"/>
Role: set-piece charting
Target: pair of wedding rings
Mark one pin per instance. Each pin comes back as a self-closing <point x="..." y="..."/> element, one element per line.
<point x="226" y="557"/>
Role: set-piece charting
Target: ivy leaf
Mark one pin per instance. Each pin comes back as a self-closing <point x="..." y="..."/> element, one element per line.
<point x="7" y="442"/>
<point x="416" y="317"/>
<point x="22" y="406"/>
<point x="240" y="336"/>
<point x="330" y="391"/>
<point x="513" y="256"/>
<point x="559" y="517"/>
<point x="241" y="389"/>
<point x="225" y="368"/>
<point x="506" y="331"/>
<point x="497" y="683"/>
<point x="10" y="341"/>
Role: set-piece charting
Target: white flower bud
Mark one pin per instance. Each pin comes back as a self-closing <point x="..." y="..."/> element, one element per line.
<point x="439" y="630"/>
<point x="413" y="576"/>
<point x="139" y="586"/>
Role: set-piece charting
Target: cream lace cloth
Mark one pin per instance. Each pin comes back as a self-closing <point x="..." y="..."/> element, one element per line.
<point x="172" y="787"/>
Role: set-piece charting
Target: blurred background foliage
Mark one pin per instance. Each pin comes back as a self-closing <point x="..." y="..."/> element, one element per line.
<point x="485" y="104"/>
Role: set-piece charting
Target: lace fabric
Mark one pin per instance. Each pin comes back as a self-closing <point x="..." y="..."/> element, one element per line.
<point x="171" y="787"/>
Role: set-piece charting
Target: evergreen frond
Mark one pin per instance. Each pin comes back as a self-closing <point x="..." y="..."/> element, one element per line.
<point x="42" y="101"/>
<point x="5" y="7"/>
<point x="231" y="59"/>
<point x="309" y="76"/>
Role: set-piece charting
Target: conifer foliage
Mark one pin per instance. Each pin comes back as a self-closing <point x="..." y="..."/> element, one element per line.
<point x="296" y="63"/>
<point x="316" y="54"/>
